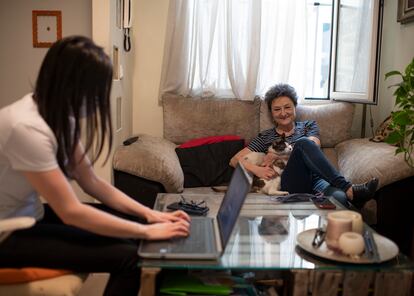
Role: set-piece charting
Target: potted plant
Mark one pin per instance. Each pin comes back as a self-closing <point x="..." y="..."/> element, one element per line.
<point x="402" y="119"/>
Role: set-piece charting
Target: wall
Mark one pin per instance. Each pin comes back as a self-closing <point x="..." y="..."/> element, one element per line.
<point x="107" y="34"/>
<point x="397" y="52"/>
<point x="19" y="61"/>
<point x="150" y="25"/>
<point x="150" y="19"/>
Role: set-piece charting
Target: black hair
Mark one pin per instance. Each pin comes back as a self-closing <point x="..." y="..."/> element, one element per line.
<point x="75" y="78"/>
<point x="280" y="90"/>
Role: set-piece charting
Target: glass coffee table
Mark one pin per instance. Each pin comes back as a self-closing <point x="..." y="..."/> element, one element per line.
<point x="264" y="239"/>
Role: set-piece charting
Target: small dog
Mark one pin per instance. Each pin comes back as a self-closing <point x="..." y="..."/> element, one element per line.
<point x="282" y="150"/>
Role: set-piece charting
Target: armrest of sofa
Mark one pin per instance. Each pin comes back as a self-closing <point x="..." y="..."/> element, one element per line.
<point x="152" y="158"/>
<point x="360" y="159"/>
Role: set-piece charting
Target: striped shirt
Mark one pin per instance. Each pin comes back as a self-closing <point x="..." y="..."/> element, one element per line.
<point x="263" y="141"/>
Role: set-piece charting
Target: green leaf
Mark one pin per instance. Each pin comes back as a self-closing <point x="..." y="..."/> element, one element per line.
<point x="399" y="150"/>
<point x="401" y="92"/>
<point x="393" y="138"/>
<point x="402" y="118"/>
<point x="392" y="73"/>
<point x="393" y="85"/>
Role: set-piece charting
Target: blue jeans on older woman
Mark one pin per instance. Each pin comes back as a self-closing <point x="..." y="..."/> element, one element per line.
<point x="309" y="171"/>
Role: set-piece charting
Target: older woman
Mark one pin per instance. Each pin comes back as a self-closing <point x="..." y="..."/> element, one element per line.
<point x="308" y="170"/>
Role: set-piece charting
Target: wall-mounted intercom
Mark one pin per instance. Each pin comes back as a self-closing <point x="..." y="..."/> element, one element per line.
<point x="126" y="14"/>
<point x="127" y="23"/>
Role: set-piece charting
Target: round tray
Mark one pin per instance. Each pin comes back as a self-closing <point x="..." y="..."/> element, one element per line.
<point x="387" y="249"/>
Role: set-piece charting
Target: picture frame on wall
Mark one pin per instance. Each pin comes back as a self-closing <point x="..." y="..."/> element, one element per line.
<point x="46" y="27"/>
<point x="405" y="11"/>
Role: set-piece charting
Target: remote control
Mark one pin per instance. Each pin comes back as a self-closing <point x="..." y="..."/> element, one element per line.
<point x="130" y="141"/>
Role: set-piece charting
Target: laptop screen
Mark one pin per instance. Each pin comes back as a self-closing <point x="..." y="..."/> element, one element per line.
<point x="232" y="203"/>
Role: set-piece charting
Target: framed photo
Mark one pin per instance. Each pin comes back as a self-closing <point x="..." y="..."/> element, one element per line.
<point x="46" y="27"/>
<point x="405" y="11"/>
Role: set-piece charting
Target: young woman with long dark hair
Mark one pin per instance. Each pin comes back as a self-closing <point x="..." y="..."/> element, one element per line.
<point x="40" y="150"/>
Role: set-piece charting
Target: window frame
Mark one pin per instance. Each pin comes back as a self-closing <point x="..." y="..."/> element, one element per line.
<point x="371" y="96"/>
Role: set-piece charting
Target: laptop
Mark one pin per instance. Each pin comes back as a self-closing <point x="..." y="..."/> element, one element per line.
<point x="208" y="235"/>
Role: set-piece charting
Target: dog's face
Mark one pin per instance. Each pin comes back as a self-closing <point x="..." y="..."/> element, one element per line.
<point x="280" y="146"/>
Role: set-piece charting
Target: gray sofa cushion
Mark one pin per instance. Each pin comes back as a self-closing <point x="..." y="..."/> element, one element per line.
<point x="333" y="120"/>
<point x="189" y="118"/>
<point x="151" y="158"/>
<point x="359" y="160"/>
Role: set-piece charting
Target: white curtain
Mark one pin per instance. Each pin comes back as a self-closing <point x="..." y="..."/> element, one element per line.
<point x="234" y="48"/>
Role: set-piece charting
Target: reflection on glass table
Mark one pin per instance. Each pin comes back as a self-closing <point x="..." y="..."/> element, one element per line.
<point x="265" y="238"/>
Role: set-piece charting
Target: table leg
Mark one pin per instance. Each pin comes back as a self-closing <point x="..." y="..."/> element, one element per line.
<point x="326" y="282"/>
<point x="300" y="282"/>
<point x="148" y="281"/>
<point x="357" y="283"/>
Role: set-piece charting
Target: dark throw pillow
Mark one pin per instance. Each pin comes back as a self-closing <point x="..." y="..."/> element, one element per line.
<point x="208" y="165"/>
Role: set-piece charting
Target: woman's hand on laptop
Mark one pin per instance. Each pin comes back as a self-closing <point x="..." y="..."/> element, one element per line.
<point x="166" y="230"/>
<point x="157" y="216"/>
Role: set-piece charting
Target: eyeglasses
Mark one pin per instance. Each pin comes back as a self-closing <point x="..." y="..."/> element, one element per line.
<point x="192" y="207"/>
<point x="319" y="238"/>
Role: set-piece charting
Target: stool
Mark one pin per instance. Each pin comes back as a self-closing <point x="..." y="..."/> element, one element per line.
<point x="68" y="285"/>
<point x="64" y="283"/>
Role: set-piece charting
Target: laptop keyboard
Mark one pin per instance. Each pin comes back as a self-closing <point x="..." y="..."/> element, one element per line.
<point x="201" y="239"/>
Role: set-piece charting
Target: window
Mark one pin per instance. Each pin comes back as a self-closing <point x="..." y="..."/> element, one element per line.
<point x="348" y="71"/>
<point x="356" y="50"/>
<point x="239" y="48"/>
<point x="319" y="31"/>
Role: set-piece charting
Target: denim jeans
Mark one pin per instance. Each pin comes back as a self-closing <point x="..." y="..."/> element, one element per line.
<point x="309" y="171"/>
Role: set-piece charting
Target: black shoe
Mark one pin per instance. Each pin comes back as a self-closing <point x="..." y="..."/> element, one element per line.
<point x="364" y="192"/>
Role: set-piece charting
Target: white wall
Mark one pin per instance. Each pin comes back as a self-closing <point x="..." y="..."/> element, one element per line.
<point x="150" y="19"/>
<point x="150" y="26"/>
<point x="19" y="60"/>
<point x="397" y="52"/>
<point x="106" y="34"/>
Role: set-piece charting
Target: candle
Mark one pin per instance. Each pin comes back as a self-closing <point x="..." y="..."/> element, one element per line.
<point x="351" y="243"/>
<point x="338" y="223"/>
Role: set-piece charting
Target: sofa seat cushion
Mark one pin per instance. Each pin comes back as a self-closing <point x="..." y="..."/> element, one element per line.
<point x="208" y="165"/>
<point x="152" y="158"/>
<point x="360" y="159"/>
<point x="334" y="120"/>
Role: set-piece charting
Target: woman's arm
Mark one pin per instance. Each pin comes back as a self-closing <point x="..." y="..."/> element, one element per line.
<point x="54" y="187"/>
<point x="265" y="172"/>
<point x="97" y="187"/>
<point x="312" y="131"/>
<point x="239" y="156"/>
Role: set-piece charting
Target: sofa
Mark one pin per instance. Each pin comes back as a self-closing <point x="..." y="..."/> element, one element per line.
<point x="151" y="165"/>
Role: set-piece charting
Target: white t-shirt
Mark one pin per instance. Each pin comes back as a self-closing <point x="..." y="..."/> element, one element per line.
<point x="26" y="144"/>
